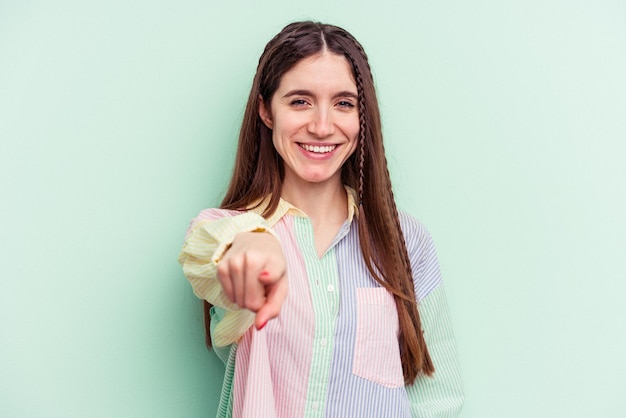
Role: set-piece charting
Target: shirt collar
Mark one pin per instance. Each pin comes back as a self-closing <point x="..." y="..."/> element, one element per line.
<point x="286" y="208"/>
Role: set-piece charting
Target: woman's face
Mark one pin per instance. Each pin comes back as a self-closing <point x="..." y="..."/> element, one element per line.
<point x="314" y="118"/>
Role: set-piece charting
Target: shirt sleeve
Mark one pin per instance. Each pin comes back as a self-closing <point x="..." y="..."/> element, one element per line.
<point x="208" y="238"/>
<point x="440" y="395"/>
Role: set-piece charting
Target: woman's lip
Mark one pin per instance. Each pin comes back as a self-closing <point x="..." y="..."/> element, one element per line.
<point x="320" y="156"/>
<point x="318" y="148"/>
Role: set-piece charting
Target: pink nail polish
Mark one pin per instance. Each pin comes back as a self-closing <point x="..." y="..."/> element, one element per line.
<point x="261" y="327"/>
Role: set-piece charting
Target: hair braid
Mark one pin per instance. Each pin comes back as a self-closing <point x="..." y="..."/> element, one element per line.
<point x="421" y="359"/>
<point x="362" y="127"/>
<point x="396" y="276"/>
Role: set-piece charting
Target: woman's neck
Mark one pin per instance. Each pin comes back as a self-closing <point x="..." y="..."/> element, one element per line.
<point x="326" y="205"/>
<point x="320" y="201"/>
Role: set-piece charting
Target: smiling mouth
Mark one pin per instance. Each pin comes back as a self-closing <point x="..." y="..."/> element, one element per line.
<point x="317" y="149"/>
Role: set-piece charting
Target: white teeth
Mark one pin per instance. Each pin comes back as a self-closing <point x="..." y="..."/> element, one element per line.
<point x="318" y="149"/>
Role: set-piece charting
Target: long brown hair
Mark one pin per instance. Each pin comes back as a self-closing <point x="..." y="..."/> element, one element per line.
<point x="258" y="173"/>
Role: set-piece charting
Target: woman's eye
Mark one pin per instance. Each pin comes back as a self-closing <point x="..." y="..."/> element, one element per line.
<point x="298" y="102"/>
<point x="345" y="104"/>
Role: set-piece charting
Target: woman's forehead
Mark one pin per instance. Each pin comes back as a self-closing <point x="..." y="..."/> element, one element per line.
<point x="323" y="71"/>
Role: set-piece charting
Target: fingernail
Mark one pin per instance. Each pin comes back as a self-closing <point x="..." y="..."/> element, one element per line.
<point x="261" y="327"/>
<point x="264" y="273"/>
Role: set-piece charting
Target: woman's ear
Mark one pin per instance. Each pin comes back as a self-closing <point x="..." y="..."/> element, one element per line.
<point x="264" y="113"/>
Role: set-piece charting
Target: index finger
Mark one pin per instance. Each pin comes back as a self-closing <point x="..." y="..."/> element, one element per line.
<point x="274" y="300"/>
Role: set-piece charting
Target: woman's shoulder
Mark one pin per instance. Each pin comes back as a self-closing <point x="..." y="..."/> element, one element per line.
<point x="422" y="253"/>
<point x="211" y="214"/>
<point x="414" y="230"/>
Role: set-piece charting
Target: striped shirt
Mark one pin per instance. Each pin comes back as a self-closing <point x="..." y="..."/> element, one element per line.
<point x="333" y="350"/>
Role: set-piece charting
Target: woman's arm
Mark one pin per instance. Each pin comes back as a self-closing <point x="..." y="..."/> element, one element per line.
<point x="215" y="238"/>
<point x="441" y="395"/>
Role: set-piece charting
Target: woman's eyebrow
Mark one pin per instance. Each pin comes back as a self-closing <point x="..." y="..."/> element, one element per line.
<point x="347" y="93"/>
<point x="301" y="92"/>
<point x="298" y="92"/>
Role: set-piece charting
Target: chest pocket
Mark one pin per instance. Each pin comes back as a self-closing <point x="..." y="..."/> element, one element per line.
<point x="377" y="353"/>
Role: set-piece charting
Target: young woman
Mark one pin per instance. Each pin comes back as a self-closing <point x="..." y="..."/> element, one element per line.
<point x="325" y="301"/>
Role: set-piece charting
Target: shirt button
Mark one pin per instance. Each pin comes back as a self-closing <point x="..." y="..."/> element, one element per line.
<point x="330" y="288"/>
<point x="314" y="406"/>
<point x="323" y="342"/>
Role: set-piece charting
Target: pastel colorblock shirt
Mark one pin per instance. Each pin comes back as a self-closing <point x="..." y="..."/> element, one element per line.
<point x="333" y="351"/>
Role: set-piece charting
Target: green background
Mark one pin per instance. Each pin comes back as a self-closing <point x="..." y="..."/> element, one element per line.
<point x="505" y="125"/>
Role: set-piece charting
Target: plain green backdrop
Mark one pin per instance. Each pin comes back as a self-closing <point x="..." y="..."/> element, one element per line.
<point x="505" y="125"/>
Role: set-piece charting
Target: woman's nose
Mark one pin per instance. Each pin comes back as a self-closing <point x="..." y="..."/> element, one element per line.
<point x="321" y="123"/>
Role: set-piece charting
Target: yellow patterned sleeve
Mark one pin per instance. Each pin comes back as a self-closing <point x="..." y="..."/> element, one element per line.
<point x="203" y="249"/>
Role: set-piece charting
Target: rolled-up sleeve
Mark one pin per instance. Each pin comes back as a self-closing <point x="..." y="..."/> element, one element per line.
<point x="208" y="238"/>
